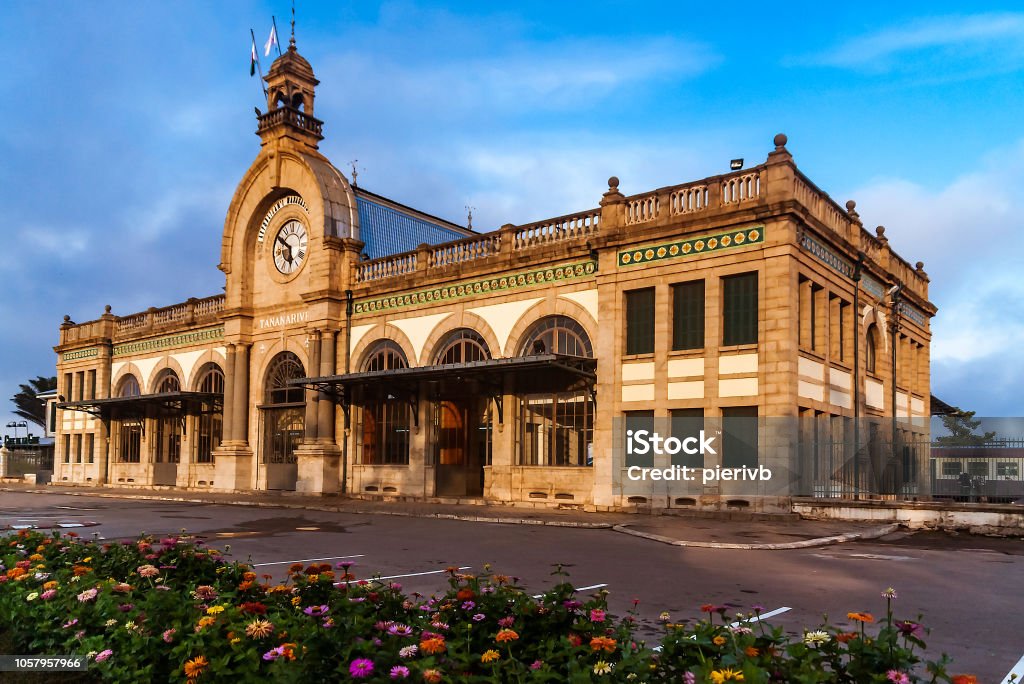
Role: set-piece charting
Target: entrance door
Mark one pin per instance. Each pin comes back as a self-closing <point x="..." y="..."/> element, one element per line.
<point x="284" y="430"/>
<point x="462" y="442"/>
<point x="168" y="450"/>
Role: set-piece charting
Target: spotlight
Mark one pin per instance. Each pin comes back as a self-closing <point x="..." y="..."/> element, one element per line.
<point x="736" y="164"/>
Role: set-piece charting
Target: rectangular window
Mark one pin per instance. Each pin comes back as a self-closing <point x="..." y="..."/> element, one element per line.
<point x="90" y="457"/>
<point x="739" y="309"/>
<point x="1008" y="469"/>
<point x="687" y="423"/>
<point x="92" y="385"/>
<point x="978" y="468"/>
<point x="76" y="440"/>
<point x="53" y="417"/>
<point x="739" y="437"/>
<point x="688" y="315"/>
<point x="636" y="421"/>
<point x="640" y="321"/>
<point x="556" y="430"/>
<point x="68" y="386"/>
<point x="80" y="385"/>
<point x="67" y="448"/>
<point x="951" y="468"/>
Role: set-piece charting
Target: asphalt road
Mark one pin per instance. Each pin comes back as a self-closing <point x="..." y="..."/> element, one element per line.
<point x="967" y="588"/>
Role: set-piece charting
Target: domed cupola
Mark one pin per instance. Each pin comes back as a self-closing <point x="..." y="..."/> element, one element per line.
<point x="291" y="89"/>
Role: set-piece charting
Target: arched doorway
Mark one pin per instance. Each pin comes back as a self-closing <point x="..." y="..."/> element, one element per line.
<point x="384" y="421"/>
<point x="209" y="428"/>
<point x="167" y="449"/>
<point x="460" y="420"/>
<point x="128" y="431"/>
<point x="282" y="414"/>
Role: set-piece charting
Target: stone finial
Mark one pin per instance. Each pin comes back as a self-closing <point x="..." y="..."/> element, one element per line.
<point x="613" y="195"/>
<point x="880" y="232"/>
<point x="780" y="142"/>
<point x="67" y="318"/>
<point x="613" y="183"/>
<point x="851" y="209"/>
<point x="107" y="309"/>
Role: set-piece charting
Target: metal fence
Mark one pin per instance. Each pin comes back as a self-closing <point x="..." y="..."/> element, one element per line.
<point x="21" y="462"/>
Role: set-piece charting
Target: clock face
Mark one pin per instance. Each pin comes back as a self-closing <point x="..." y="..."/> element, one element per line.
<point x="290" y="247"/>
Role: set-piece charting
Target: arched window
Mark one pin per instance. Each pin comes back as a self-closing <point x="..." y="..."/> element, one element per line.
<point x="285" y="367"/>
<point x="129" y="431"/>
<point x="297" y="101"/>
<point x="871" y="350"/>
<point x="462" y="346"/>
<point x="168" y="422"/>
<point x="557" y="335"/>
<point x="128" y="387"/>
<point x="284" y="415"/>
<point x="210" y="425"/>
<point x="384" y="431"/>
<point x="556" y="428"/>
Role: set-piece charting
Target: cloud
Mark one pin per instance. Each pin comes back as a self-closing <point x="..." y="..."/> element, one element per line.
<point x="970" y="234"/>
<point x="998" y="38"/>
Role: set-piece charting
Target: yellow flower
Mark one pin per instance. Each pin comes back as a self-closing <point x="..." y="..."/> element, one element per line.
<point x="296" y="600"/>
<point x="236" y="640"/>
<point x="489" y="656"/>
<point x="752" y="652"/>
<point x="728" y="674"/>
<point x="213" y="610"/>
<point x="719" y="640"/>
<point x="205" y="622"/>
<point x="602" y="668"/>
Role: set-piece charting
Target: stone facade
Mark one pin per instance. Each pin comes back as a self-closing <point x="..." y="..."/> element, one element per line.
<point x="311" y="297"/>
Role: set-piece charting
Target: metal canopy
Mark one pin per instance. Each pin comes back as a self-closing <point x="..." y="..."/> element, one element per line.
<point x="489" y="378"/>
<point x="139" y="406"/>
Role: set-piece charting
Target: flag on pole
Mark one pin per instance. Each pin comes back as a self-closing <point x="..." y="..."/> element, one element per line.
<point x="271" y="41"/>
<point x="252" y="59"/>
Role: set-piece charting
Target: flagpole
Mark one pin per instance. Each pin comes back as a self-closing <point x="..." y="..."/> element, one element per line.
<point x="277" y="35"/>
<point x="262" y="86"/>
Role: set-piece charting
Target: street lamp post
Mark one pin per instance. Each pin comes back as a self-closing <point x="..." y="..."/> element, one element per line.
<point x="895" y="292"/>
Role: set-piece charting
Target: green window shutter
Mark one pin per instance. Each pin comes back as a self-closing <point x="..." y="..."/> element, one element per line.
<point x="640" y="321"/>
<point x="688" y="315"/>
<point x="739" y="311"/>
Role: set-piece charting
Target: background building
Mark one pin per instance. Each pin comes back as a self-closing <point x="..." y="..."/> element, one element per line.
<point x="364" y="347"/>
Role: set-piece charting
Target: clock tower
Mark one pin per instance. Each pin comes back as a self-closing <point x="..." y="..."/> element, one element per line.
<point x="291" y="240"/>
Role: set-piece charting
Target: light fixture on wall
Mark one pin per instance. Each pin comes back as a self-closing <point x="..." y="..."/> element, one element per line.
<point x="736" y="164"/>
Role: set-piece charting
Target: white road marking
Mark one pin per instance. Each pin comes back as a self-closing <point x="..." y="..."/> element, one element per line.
<point x="1016" y="674"/>
<point x="305" y="560"/>
<point x="418" y="574"/>
<point x="864" y="556"/>
<point x="592" y="586"/>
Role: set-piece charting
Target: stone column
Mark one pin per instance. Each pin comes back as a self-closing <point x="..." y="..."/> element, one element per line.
<point x="228" y="403"/>
<point x="240" y="410"/>
<point x="328" y="364"/>
<point x="312" y="398"/>
<point x="102" y="389"/>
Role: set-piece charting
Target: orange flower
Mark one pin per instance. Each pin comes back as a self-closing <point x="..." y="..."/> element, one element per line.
<point x="599" y="643"/>
<point x="295" y="567"/>
<point x="431" y="676"/>
<point x="751" y="652"/>
<point x="15" y="573"/>
<point x="719" y="640"/>
<point x="506" y="635"/>
<point x="52" y="584"/>
<point x="964" y="679"/>
<point x="844" y="637"/>
<point x="80" y="570"/>
<point x="249" y="576"/>
<point x="205" y="621"/>
<point x="195" y="667"/>
<point x="465" y="594"/>
<point x="861" y="617"/>
<point x="433" y="645"/>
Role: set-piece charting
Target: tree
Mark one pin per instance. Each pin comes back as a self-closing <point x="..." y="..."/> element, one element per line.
<point x="29" y="406"/>
<point x="961" y="426"/>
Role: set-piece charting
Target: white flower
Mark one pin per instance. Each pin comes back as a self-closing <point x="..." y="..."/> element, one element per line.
<point x="33" y="596"/>
<point x="110" y="623"/>
<point x="816" y="638"/>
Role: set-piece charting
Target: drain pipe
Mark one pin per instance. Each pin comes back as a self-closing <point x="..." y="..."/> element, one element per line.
<point x="856" y="373"/>
<point x="345" y="409"/>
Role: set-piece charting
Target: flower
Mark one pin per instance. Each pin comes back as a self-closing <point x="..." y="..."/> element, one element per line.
<point x="103" y="655"/>
<point x="399" y="630"/>
<point x="897" y="677"/>
<point x="33" y="596"/>
<point x="433" y="645"/>
<point x="360" y="668"/>
<point x="316" y="611"/>
<point x="889" y="594"/>
<point x="408" y="651"/>
<point x="399" y="672"/>
<point x="254" y="607"/>
<point x="87" y="595"/>
<point x="727" y="674"/>
<point x="205" y="622"/>
<point x="689" y="678"/>
<point x="70" y="623"/>
<point x="259" y="629"/>
<point x="432" y="676"/>
<point x="816" y="638"/>
<point x="214" y="610"/>
<point x="148" y="571"/>
<point x="490" y="655"/>
<point x="506" y="635"/>
<point x="910" y="628"/>
<point x="193" y="668"/>
<point x="506" y="621"/>
<point x="597" y="615"/>
<point x="964" y="679"/>
<point x="205" y="593"/>
<point x="751" y="652"/>
<point x="664" y="617"/>
<point x="603" y="643"/>
<point x="845" y="637"/>
<point x="168" y="635"/>
<point x="602" y="668"/>
<point x="861" y="617"/>
<point x="536" y="664"/>
<point x="479" y="617"/>
<point x="48" y="594"/>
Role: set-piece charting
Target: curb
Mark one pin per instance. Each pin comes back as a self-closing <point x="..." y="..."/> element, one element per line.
<point x="332" y="509"/>
<point x="806" y="544"/>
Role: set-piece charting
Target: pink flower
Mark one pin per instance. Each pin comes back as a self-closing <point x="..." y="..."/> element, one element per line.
<point x="87" y="595"/>
<point x="399" y="672"/>
<point x="506" y="622"/>
<point x="103" y="655"/>
<point x="148" y="571"/>
<point x="897" y="677"/>
<point x="536" y="664"/>
<point x="597" y="615"/>
<point x="48" y="594"/>
<point x="689" y="678"/>
<point x="360" y="668"/>
<point x="169" y="635"/>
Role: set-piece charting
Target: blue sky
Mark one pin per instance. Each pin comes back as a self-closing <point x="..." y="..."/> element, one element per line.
<point x="126" y="126"/>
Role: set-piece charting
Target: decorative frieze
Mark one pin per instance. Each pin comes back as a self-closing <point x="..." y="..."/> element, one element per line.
<point x="169" y="342"/>
<point x="691" y="246"/>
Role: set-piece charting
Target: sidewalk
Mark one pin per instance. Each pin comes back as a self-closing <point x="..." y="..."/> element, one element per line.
<point x="728" y="530"/>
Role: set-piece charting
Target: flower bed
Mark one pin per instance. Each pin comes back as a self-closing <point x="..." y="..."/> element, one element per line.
<point x="173" y="610"/>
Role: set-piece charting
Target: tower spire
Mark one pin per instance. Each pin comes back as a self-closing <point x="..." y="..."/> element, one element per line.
<point x="291" y="42"/>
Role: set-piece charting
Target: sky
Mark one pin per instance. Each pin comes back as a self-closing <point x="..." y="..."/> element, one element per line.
<point x="126" y="126"/>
